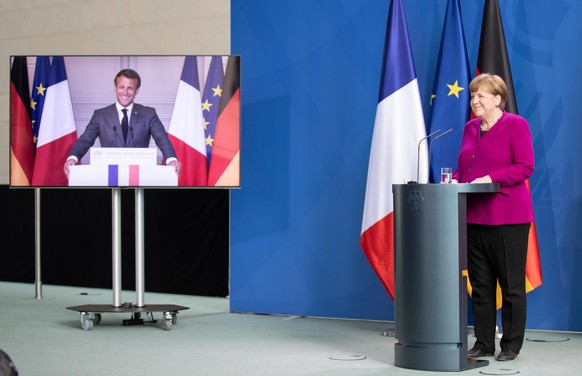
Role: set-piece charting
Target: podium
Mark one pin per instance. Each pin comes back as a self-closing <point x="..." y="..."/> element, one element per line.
<point x="430" y="275"/>
<point x="125" y="167"/>
<point x="122" y="167"/>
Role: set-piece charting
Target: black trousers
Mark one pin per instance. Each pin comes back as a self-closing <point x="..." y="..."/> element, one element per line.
<point x="498" y="253"/>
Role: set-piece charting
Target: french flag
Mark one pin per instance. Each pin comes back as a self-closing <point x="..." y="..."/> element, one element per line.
<point x="186" y="131"/>
<point x="58" y="132"/>
<point x="124" y="176"/>
<point x="398" y="127"/>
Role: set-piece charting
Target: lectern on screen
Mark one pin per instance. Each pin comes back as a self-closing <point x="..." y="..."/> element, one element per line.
<point x="54" y="99"/>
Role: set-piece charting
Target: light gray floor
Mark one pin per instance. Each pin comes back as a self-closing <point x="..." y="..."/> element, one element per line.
<point x="44" y="338"/>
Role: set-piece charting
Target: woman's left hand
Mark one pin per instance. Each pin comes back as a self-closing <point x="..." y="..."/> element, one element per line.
<point x="483" y="179"/>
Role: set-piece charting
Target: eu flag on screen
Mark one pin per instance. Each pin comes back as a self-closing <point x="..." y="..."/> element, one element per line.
<point x="450" y="100"/>
<point x="39" y="86"/>
<point x="211" y="101"/>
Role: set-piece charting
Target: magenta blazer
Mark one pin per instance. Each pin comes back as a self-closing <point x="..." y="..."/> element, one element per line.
<point x="505" y="153"/>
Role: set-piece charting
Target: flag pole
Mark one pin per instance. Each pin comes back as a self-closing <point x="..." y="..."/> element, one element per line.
<point x="37" y="258"/>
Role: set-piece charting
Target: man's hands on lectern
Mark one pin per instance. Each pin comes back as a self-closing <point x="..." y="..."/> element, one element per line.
<point x="177" y="166"/>
<point x="71" y="162"/>
<point x="68" y="163"/>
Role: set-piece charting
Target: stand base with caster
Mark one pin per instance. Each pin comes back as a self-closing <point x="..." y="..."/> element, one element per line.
<point x="90" y="314"/>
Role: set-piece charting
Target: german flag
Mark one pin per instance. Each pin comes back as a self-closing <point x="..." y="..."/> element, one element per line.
<point x="493" y="58"/>
<point x="225" y="160"/>
<point x="21" y="140"/>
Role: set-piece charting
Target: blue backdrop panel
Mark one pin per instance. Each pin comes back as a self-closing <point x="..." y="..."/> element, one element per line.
<point x="310" y="78"/>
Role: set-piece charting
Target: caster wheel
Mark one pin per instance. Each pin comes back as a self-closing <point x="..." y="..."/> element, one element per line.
<point x="87" y="321"/>
<point x="174" y="318"/>
<point x="168" y="321"/>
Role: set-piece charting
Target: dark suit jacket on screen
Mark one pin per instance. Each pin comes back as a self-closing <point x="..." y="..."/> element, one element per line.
<point x="143" y="124"/>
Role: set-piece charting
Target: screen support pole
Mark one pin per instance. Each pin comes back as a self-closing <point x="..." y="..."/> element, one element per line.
<point x="139" y="247"/>
<point x="116" y="245"/>
<point x="37" y="258"/>
<point x="91" y="313"/>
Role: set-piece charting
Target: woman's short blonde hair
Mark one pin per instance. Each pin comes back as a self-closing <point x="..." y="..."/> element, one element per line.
<point x="492" y="84"/>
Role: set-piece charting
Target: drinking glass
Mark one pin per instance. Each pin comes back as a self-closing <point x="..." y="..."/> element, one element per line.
<point x="446" y="175"/>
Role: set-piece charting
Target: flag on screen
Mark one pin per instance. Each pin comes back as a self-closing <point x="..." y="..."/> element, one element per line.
<point x="122" y="175"/>
<point x="186" y="131"/>
<point x="450" y="99"/>
<point x="211" y="102"/>
<point x="493" y="58"/>
<point x="225" y="161"/>
<point x="398" y="128"/>
<point x="21" y="139"/>
<point x="58" y="132"/>
<point x="39" y="86"/>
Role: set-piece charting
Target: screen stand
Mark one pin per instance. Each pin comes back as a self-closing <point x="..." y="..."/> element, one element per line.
<point x="116" y="245"/>
<point x="37" y="257"/>
<point x="91" y="313"/>
<point x="139" y="248"/>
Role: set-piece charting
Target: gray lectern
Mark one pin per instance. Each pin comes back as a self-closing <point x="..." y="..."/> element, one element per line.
<point x="430" y="280"/>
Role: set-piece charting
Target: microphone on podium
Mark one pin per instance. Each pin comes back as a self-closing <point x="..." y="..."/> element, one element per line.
<point x="433" y="140"/>
<point x="114" y="135"/>
<point x="418" y="156"/>
<point x="129" y="138"/>
<point x="429" y="151"/>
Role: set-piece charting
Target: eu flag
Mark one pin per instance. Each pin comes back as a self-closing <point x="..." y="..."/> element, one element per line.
<point x="450" y="96"/>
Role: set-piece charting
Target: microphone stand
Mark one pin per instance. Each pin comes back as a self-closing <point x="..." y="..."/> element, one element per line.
<point x="418" y="156"/>
<point x="433" y="140"/>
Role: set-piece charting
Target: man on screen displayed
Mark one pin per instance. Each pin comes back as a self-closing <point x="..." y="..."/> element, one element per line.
<point x="124" y="124"/>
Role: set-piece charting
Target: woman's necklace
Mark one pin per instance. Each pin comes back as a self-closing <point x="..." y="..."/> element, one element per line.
<point x="489" y="126"/>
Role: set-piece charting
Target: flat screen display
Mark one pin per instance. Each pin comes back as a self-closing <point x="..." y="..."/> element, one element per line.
<point x="125" y="121"/>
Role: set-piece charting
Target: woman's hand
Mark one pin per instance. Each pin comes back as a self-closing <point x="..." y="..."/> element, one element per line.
<point x="483" y="179"/>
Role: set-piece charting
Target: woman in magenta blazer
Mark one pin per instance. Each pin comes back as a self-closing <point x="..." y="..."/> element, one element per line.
<point x="497" y="148"/>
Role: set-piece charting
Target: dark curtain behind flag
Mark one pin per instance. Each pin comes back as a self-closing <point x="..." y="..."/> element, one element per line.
<point x="21" y="140"/>
<point x="493" y="58"/>
<point x="450" y="99"/>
